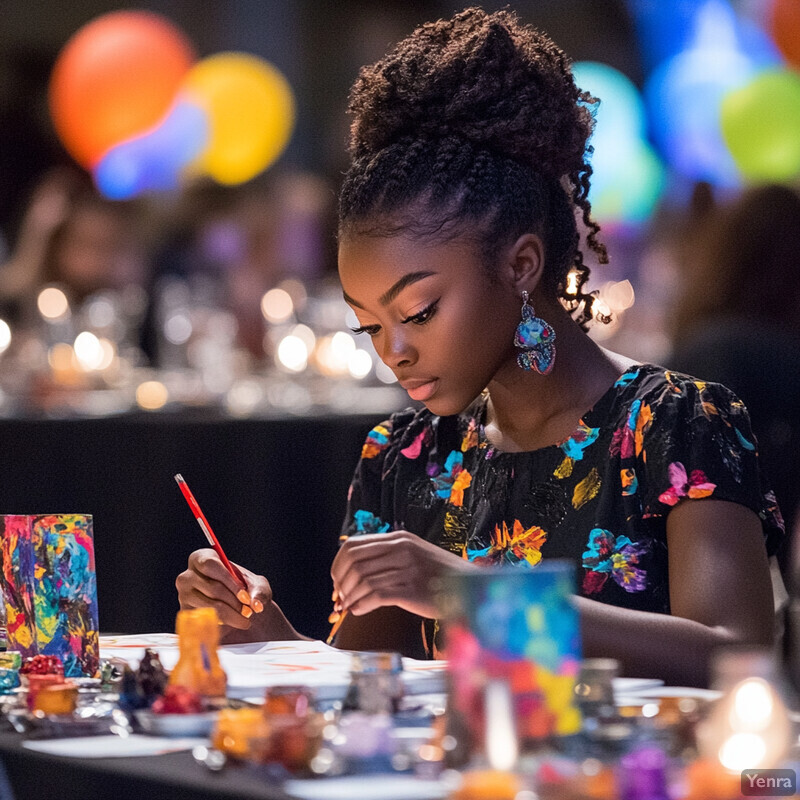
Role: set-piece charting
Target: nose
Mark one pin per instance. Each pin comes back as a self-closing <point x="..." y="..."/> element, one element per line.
<point x="396" y="351"/>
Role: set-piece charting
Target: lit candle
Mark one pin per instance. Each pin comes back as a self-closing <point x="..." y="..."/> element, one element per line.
<point x="498" y="782"/>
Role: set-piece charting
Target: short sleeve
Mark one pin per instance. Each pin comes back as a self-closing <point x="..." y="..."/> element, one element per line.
<point x="694" y="441"/>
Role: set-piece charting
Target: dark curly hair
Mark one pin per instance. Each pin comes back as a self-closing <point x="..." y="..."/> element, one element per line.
<point x="474" y="125"/>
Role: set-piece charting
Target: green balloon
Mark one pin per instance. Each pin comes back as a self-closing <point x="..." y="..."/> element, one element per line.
<point x="761" y="126"/>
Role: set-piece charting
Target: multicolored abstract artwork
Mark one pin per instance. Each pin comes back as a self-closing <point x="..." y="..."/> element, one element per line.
<point x="520" y="626"/>
<point x="50" y="588"/>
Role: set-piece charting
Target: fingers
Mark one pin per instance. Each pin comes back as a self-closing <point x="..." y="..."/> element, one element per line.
<point x="371" y="571"/>
<point x="233" y="618"/>
<point x="207" y="564"/>
<point x="370" y="565"/>
<point x="258" y="594"/>
<point x="208" y="583"/>
<point x="363" y="573"/>
<point x="386" y="588"/>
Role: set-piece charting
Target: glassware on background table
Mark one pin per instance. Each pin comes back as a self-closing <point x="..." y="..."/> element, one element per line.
<point x="50" y="588"/>
<point x="594" y="688"/>
<point x="376" y="684"/>
<point x="749" y="726"/>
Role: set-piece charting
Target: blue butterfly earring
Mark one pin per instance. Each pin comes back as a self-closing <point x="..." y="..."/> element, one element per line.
<point x="537" y="340"/>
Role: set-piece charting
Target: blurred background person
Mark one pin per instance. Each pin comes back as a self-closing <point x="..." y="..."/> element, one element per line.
<point x="73" y="237"/>
<point x="736" y="319"/>
<point x="224" y="247"/>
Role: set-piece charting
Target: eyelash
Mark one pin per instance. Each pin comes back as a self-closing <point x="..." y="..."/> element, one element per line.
<point x="420" y="318"/>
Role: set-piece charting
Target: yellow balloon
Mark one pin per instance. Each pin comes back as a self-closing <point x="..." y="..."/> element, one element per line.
<point x="250" y="109"/>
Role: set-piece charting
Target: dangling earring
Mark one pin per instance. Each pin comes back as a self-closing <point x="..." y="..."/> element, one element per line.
<point x="537" y="340"/>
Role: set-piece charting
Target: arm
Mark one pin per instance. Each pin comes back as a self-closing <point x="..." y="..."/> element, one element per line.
<point x="720" y="594"/>
<point x="385" y="581"/>
<point x="387" y="628"/>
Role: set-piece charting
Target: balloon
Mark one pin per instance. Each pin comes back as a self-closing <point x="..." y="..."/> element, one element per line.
<point x="154" y="160"/>
<point x="761" y="126"/>
<point x="627" y="175"/>
<point x="621" y="111"/>
<point x="685" y="93"/>
<point x="251" y="112"/>
<point x="627" y="182"/>
<point x="784" y="26"/>
<point x="116" y="77"/>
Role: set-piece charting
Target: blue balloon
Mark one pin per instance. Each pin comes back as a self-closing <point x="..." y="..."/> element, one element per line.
<point x="684" y="94"/>
<point x="662" y="29"/>
<point x="154" y="161"/>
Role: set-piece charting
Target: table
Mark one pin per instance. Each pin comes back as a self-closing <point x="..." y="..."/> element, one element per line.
<point x="274" y="490"/>
<point x="175" y="776"/>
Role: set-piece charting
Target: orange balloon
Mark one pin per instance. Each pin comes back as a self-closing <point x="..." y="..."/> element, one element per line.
<point x="115" y="78"/>
<point x="785" y="28"/>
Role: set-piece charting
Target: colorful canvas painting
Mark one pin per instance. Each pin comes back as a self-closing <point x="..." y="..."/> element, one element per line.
<point x="520" y="626"/>
<point x="50" y="588"/>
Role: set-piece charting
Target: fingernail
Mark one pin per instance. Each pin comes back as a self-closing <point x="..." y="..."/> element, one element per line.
<point x="243" y="597"/>
<point x="337" y="607"/>
<point x="334" y="617"/>
<point x="247" y="612"/>
<point x="335" y="596"/>
<point x="257" y="605"/>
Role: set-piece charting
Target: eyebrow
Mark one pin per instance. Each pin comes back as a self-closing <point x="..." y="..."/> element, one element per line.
<point x="391" y="293"/>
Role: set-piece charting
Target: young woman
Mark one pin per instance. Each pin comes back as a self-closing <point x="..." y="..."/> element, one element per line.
<point x="459" y="252"/>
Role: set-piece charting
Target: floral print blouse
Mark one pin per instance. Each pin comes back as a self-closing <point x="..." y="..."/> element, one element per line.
<point x="600" y="498"/>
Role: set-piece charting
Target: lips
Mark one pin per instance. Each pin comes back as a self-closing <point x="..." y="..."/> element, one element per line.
<point x="420" y="389"/>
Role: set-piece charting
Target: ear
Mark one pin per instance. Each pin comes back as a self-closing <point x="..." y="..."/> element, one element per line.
<point x="524" y="263"/>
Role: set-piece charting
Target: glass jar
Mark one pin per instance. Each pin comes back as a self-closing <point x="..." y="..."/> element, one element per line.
<point x="376" y="684"/>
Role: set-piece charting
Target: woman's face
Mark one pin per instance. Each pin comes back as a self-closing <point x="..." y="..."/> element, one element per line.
<point x="434" y="316"/>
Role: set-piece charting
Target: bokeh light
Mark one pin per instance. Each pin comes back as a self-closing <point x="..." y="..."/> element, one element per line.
<point x="277" y="306"/>
<point x="52" y="303"/>
<point x="359" y="364"/>
<point x="151" y="395"/>
<point x="88" y="351"/>
<point x="5" y="336"/>
<point x="292" y="353"/>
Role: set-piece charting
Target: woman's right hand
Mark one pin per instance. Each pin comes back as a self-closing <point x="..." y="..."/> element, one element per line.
<point x="206" y="583"/>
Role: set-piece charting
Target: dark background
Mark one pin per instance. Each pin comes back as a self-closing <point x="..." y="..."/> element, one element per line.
<point x="273" y="490"/>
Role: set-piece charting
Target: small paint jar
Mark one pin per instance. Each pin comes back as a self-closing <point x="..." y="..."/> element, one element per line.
<point x="11" y="659"/>
<point x="376" y="685"/>
<point x="39" y="681"/>
<point x="9" y="679"/>
<point x="236" y="728"/>
<point x="60" y="698"/>
<point x="294" y="728"/>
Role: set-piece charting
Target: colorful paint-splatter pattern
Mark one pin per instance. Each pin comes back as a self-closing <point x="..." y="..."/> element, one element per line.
<point x="50" y="587"/>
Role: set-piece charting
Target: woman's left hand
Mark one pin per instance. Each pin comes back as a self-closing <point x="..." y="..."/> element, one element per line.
<point x="391" y="569"/>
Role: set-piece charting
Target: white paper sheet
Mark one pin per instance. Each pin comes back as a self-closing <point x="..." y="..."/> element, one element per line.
<point x="377" y="787"/>
<point x="112" y="746"/>
<point x="255" y="666"/>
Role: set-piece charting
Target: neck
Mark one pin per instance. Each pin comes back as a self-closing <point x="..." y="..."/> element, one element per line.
<point x="527" y="411"/>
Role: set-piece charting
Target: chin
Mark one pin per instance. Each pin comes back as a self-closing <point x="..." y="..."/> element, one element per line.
<point x="446" y="406"/>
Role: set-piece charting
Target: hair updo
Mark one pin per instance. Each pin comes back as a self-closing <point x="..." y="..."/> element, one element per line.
<point x="474" y="125"/>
